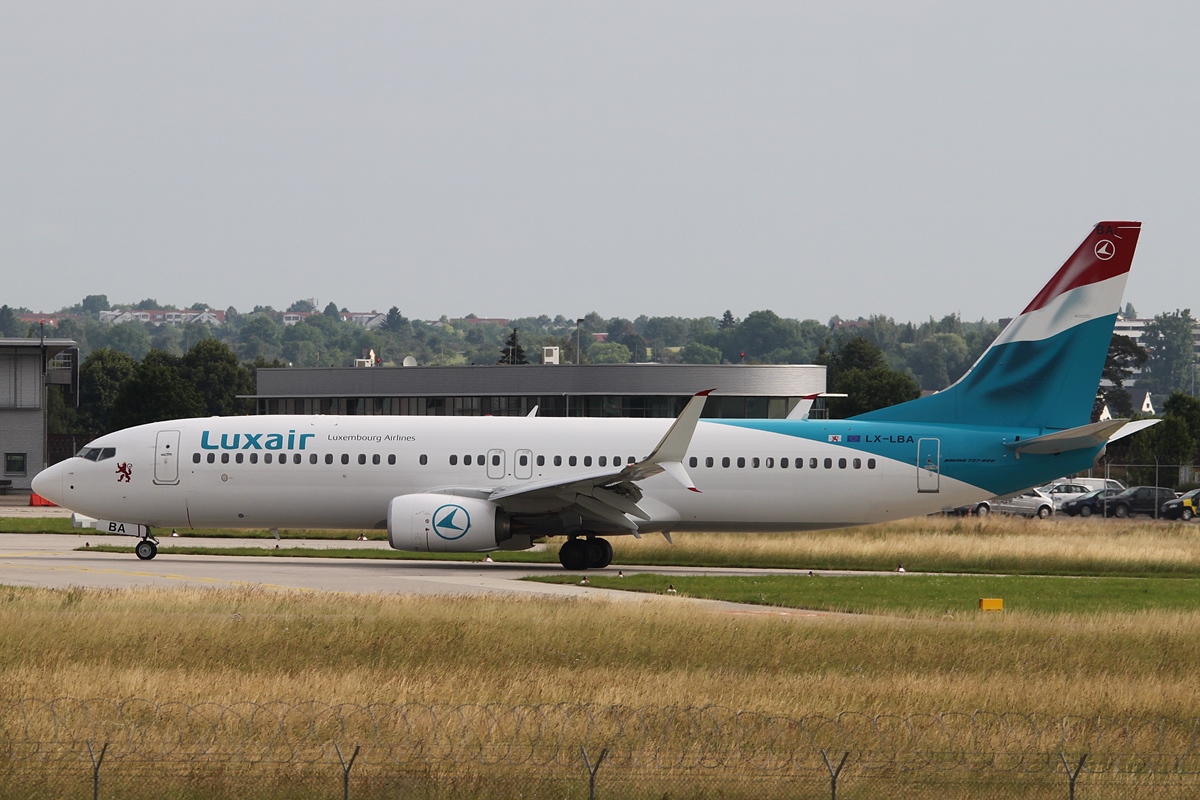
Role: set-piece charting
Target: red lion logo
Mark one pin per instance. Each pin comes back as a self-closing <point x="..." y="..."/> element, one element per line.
<point x="125" y="472"/>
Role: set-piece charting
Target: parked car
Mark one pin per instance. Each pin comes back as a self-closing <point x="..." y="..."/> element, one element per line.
<point x="1062" y="492"/>
<point x="1139" y="500"/>
<point x="1030" y="503"/>
<point x="1185" y="507"/>
<point x="1084" y="505"/>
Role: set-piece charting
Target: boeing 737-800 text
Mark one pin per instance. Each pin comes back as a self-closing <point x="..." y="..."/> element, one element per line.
<point x="1019" y="417"/>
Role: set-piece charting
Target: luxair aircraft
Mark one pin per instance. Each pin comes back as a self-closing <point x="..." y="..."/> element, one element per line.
<point x="1018" y="418"/>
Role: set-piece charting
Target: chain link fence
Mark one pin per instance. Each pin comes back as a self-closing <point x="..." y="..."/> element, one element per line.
<point x="135" y="748"/>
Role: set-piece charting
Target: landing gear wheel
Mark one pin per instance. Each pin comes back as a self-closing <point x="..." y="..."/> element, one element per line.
<point x="146" y="549"/>
<point x="574" y="555"/>
<point x="1085" y="511"/>
<point x="600" y="553"/>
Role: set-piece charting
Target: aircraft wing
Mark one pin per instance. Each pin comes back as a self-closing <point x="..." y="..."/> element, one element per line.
<point x="609" y="495"/>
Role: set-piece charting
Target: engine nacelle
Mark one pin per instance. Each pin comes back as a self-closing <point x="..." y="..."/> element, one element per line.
<point x="443" y="523"/>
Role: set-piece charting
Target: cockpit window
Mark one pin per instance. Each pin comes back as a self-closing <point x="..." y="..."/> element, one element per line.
<point x="97" y="453"/>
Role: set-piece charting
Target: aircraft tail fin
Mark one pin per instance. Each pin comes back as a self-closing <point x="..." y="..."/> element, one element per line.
<point x="1043" y="369"/>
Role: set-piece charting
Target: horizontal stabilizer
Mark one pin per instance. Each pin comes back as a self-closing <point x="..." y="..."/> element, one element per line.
<point x="1096" y="434"/>
<point x="1133" y="427"/>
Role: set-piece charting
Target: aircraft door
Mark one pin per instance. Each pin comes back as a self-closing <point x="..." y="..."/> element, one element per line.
<point x="495" y="464"/>
<point x="166" y="458"/>
<point x="929" y="465"/>
<point x="523" y="465"/>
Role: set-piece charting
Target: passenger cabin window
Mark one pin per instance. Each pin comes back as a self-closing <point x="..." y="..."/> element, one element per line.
<point x="224" y="458"/>
<point x="725" y="462"/>
<point x="754" y="463"/>
<point x="812" y="463"/>
<point x="783" y="463"/>
<point x="239" y="457"/>
<point x="329" y="458"/>
<point x="572" y="461"/>
<point x="212" y="458"/>
<point x="375" y="459"/>
<point x="558" y="461"/>
<point x="708" y="461"/>
<point x="587" y="461"/>
<point x="741" y="462"/>
<point x="254" y="458"/>
<point x="829" y="463"/>
<point x="195" y="458"/>
<point x="424" y="459"/>
<point x="693" y="461"/>
<point x="392" y="459"/>
<point x="312" y="459"/>
<point x="346" y="458"/>
<point x="362" y="458"/>
<point x="266" y="458"/>
<point x="496" y="460"/>
<point x="541" y="461"/>
<point x="453" y="461"/>
<point x="870" y="463"/>
<point x="602" y="461"/>
<point x="523" y="460"/>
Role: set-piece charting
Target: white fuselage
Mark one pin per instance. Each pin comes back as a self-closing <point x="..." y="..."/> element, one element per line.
<point x="341" y="472"/>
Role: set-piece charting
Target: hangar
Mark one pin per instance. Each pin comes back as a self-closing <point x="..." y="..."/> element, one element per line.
<point x="743" y="391"/>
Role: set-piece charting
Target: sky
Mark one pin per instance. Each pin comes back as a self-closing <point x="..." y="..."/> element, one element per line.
<point x="910" y="159"/>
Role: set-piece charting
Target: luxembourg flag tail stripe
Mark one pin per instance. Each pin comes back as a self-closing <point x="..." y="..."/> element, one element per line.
<point x="1043" y="369"/>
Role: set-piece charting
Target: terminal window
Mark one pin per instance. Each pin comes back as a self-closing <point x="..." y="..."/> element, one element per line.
<point x="14" y="463"/>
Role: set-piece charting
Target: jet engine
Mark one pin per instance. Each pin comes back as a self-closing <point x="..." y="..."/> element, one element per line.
<point x="443" y="523"/>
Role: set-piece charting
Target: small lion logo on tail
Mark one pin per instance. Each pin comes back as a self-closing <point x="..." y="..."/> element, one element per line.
<point x="125" y="472"/>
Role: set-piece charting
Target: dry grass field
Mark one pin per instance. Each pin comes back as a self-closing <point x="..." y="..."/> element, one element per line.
<point x="995" y="544"/>
<point x="229" y="646"/>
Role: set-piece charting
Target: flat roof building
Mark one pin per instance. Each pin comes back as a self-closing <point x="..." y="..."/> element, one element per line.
<point x="27" y="367"/>
<point x="743" y="391"/>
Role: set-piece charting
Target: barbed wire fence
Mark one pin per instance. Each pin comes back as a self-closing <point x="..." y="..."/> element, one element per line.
<point x="139" y="748"/>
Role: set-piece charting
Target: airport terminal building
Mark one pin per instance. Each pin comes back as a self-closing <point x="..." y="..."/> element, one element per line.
<point x="743" y="391"/>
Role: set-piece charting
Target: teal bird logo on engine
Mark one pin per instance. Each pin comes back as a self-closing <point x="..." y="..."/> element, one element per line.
<point x="451" y="522"/>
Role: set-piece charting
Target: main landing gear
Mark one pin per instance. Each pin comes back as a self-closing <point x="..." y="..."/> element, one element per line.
<point x="147" y="548"/>
<point x="590" y="553"/>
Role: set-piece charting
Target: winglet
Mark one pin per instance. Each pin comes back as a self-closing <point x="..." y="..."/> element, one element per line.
<point x="668" y="454"/>
<point x="674" y="444"/>
<point x="806" y="403"/>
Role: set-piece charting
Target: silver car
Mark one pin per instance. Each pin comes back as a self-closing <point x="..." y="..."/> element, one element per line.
<point x="1030" y="503"/>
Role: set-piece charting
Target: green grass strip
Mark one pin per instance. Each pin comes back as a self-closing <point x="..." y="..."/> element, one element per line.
<point x="894" y="593"/>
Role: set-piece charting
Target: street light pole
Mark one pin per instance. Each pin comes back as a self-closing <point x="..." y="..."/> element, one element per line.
<point x="578" y="352"/>
<point x="45" y="400"/>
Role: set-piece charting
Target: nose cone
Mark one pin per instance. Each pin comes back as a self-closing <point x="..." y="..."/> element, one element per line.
<point x="49" y="483"/>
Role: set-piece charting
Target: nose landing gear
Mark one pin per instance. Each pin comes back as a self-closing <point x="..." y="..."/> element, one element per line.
<point x="147" y="548"/>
